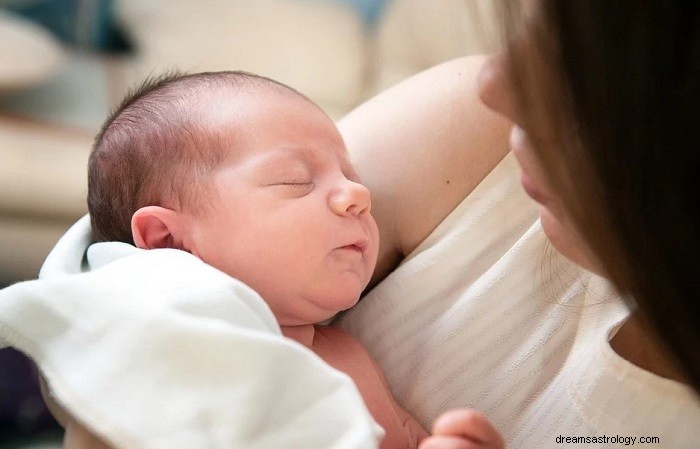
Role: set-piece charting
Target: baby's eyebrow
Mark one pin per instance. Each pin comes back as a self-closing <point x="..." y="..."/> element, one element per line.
<point x="275" y="161"/>
<point x="277" y="156"/>
<point x="310" y="157"/>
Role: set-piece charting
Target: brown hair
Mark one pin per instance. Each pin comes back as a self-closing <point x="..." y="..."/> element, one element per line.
<point x="152" y="150"/>
<point x="623" y="84"/>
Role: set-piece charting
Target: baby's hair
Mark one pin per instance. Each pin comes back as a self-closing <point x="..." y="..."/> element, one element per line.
<point x="153" y="150"/>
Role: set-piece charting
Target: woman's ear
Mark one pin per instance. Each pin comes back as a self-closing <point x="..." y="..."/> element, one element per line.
<point x="155" y="227"/>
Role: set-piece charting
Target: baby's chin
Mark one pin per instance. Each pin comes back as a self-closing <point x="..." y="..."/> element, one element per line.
<point x="331" y="306"/>
<point x="318" y="304"/>
<point x="349" y="296"/>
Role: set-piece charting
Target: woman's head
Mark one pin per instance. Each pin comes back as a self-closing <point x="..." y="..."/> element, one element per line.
<point x="605" y="92"/>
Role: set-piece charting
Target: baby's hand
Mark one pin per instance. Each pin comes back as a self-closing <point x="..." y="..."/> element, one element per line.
<point x="462" y="429"/>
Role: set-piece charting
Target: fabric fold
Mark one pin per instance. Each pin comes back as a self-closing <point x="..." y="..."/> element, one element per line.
<point x="156" y="349"/>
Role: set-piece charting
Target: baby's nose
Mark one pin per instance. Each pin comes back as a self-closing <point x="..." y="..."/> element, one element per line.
<point x="351" y="198"/>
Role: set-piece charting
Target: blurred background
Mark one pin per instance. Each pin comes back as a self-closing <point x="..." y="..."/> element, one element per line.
<point x="65" y="63"/>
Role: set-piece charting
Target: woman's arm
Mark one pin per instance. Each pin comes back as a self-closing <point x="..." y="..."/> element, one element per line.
<point x="421" y="147"/>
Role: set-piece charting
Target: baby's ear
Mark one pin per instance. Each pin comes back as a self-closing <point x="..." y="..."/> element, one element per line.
<point x="155" y="227"/>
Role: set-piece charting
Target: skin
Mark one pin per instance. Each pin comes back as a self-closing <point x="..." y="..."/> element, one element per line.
<point x="462" y="429"/>
<point x="498" y="94"/>
<point x="288" y="216"/>
<point x="409" y="141"/>
<point x="423" y="147"/>
<point x="420" y="147"/>
<point x="289" y="203"/>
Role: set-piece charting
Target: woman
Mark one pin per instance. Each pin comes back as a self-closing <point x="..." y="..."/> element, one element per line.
<point x="469" y="308"/>
<point x="601" y="121"/>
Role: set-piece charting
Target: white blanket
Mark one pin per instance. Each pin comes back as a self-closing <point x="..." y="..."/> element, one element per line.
<point x="155" y="349"/>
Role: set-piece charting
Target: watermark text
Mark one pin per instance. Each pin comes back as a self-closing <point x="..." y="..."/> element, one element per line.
<point x="605" y="439"/>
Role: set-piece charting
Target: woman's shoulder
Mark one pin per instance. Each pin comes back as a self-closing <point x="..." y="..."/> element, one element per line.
<point x="421" y="147"/>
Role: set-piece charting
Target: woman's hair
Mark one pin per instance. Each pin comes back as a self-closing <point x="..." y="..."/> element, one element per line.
<point x="154" y="149"/>
<point x="618" y="85"/>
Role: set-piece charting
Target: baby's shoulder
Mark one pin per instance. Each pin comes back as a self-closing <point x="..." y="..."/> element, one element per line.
<point x="339" y="348"/>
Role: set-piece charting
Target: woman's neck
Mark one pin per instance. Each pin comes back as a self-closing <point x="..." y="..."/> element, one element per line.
<point x="636" y="343"/>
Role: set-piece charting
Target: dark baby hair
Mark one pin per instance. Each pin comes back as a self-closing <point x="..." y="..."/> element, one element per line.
<point x="154" y="150"/>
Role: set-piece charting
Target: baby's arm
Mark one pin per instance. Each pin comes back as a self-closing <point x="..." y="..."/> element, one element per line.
<point x="463" y="429"/>
<point x="410" y="424"/>
<point x="343" y="352"/>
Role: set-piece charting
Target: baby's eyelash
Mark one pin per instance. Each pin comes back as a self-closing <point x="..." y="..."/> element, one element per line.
<point x="296" y="183"/>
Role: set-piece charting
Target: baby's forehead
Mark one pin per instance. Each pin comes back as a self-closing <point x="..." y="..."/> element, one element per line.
<point x="265" y="117"/>
<point x="270" y="129"/>
<point x="230" y="109"/>
<point x="243" y="97"/>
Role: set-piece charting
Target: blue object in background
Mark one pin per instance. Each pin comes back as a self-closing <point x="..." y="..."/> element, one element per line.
<point x="22" y="410"/>
<point x="87" y="24"/>
<point x="90" y="24"/>
<point x="369" y="10"/>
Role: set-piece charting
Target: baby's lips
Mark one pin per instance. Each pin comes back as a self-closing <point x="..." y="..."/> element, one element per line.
<point x="361" y="245"/>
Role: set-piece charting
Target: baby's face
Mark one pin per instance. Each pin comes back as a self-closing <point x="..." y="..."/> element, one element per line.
<point x="289" y="217"/>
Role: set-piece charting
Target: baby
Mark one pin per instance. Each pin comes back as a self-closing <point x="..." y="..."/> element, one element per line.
<point x="253" y="178"/>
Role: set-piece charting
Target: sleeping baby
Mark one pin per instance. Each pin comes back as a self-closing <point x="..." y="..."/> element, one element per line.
<point x="253" y="178"/>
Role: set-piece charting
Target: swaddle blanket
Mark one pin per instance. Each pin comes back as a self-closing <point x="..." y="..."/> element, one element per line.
<point x="156" y="349"/>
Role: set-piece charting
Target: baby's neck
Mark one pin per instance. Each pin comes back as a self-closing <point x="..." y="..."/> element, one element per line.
<point x="303" y="334"/>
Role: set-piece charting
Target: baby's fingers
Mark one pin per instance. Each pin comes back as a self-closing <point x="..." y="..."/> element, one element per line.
<point x="448" y="442"/>
<point x="470" y="425"/>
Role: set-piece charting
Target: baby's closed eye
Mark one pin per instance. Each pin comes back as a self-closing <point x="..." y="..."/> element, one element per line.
<point x="295" y="187"/>
<point x="294" y="183"/>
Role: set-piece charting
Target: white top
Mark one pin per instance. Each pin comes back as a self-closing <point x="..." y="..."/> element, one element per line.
<point x="486" y="314"/>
